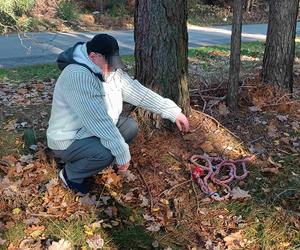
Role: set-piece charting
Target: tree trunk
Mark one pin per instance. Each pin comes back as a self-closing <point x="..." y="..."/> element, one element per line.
<point x="249" y="5"/>
<point x="161" y="48"/>
<point x="280" y="47"/>
<point x="235" y="54"/>
<point x="99" y="5"/>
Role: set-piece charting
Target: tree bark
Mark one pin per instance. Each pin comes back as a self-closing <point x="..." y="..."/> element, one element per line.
<point x="161" y="48"/>
<point x="279" y="53"/>
<point x="235" y="55"/>
<point x="249" y="5"/>
<point x="99" y="5"/>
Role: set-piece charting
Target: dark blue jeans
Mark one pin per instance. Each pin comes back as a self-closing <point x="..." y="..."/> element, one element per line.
<point x="86" y="157"/>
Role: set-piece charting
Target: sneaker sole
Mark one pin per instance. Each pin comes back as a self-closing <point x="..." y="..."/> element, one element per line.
<point x="62" y="178"/>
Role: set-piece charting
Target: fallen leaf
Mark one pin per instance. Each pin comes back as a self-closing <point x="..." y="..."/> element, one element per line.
<point x="88" y="200"/>
<point x="61" y="245"/>
<point x="282" y="118"/>
<point x="26" y="158"/>
<point x="270" y="170"/>
<point x="96" y="242"/>
<point x="155" y="244"/>
<point x="105" y="199"/>
<point x="148" y="217"/>
<point x="16" y="211"/>
<point x="129" y="176"/>
<point x="258" y="148"/>
<point x="285" y="140"/>
<point x="154" y="227"/>
<point x="255" y="109"/>
<point x="106" y="225"/>
<point x="97" y="224"/>
<point x="111" y="179"/>
<point x="32" y="221"/>
<point x="2" y="242"/>
<point x="144" y="200"/>
<point x="109" y="211"/>
<point x="128" y="196"/>
<point x="295" y="126"/>
<point x="35" y="231"/>
<point x="207" y="147"/>
<point x="272" y="130"/>
<point x="234" y="240"/>
<point x="30" y="244"/>
<point x="238" y="193"/>
<point x="89" y="230"/>
<point x="276" y="164"/>
<point x="223" y="110"/>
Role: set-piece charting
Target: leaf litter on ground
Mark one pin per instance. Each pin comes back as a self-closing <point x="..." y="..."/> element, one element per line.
<point x="37" y="178"/>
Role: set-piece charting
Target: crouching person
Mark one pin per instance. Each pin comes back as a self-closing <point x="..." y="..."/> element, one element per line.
<point x="85" y="128"/>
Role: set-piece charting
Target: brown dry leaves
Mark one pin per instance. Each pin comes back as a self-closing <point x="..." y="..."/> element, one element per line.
<point x="36" y="93"/>
<point x="30" y="190"/>
<point x="268" y="97"/>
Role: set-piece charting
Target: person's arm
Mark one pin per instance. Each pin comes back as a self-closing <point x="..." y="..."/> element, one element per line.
<point x="84" y="97"/>
<point x="136" y="94"/>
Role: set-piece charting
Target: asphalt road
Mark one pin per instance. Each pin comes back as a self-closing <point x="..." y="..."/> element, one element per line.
<point x="39" y="48"/>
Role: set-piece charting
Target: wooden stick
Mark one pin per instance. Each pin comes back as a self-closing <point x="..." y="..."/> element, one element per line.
<point x="276" y="104"/>
<point x="196" y="194"/>
<point x="149" y="191"/>
<point x="167" y="190"/>
<point x="44" y="215"/>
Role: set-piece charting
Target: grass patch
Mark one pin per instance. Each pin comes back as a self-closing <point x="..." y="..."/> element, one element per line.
<point x="29" y="73"/>
<point x="9" y="143"/>
<point x="43" y="72"/>
<point x="128" y="59"/>
<point x="269" y="217"/>
<point x="72" y="230"/>
<point x="14" y="234"/>
<point x="132" y="237"/>
<point x="251" y="49"/>
<point x="271" y="227"/>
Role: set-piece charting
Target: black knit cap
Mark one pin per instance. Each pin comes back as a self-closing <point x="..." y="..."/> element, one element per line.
<point x="107" y="46"/>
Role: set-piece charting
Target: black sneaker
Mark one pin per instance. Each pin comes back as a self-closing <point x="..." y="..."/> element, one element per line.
<point x="76" y="187"/>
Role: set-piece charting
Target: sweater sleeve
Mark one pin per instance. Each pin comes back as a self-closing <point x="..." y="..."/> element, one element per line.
<point x="84" y="97"/>
<point x="137" y="94"/>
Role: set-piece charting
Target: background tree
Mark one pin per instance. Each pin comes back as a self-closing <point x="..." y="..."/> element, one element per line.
<point x="280" y="47"/>
<point x="161" y="48"/>
<point x="235" y="54"/>
<point x="249" y="5"/>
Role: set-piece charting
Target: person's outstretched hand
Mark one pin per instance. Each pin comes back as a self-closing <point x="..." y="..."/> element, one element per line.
<point x="182" y="123"/>
<point x="123" y="168"/>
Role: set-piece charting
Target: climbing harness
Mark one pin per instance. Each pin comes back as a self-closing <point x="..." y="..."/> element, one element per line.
<point x="207" y="168"/>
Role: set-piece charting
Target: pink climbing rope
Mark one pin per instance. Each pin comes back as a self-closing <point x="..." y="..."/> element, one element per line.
<point x="210" y="167"/>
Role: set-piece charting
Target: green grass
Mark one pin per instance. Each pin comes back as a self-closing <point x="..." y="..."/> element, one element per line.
<point x="268" y="214"/>
<point x="42" y="72"/>
<point x="129" y="59"/>
<point x="73" y="230"/>
<point x="14" y="234"/>
<point x="8" y="143"/>
<point x="269" y="226"/>
<point x="251" y="49"/>
<point x="206" y="53"/>
<point x="132" y="237"/>
<point x="29" y="73"/>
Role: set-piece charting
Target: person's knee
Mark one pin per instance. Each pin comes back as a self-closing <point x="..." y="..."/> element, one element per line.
<point x="133" y="130"/>
<point x="102" y="157"/>
<point x="106" y="158"/>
